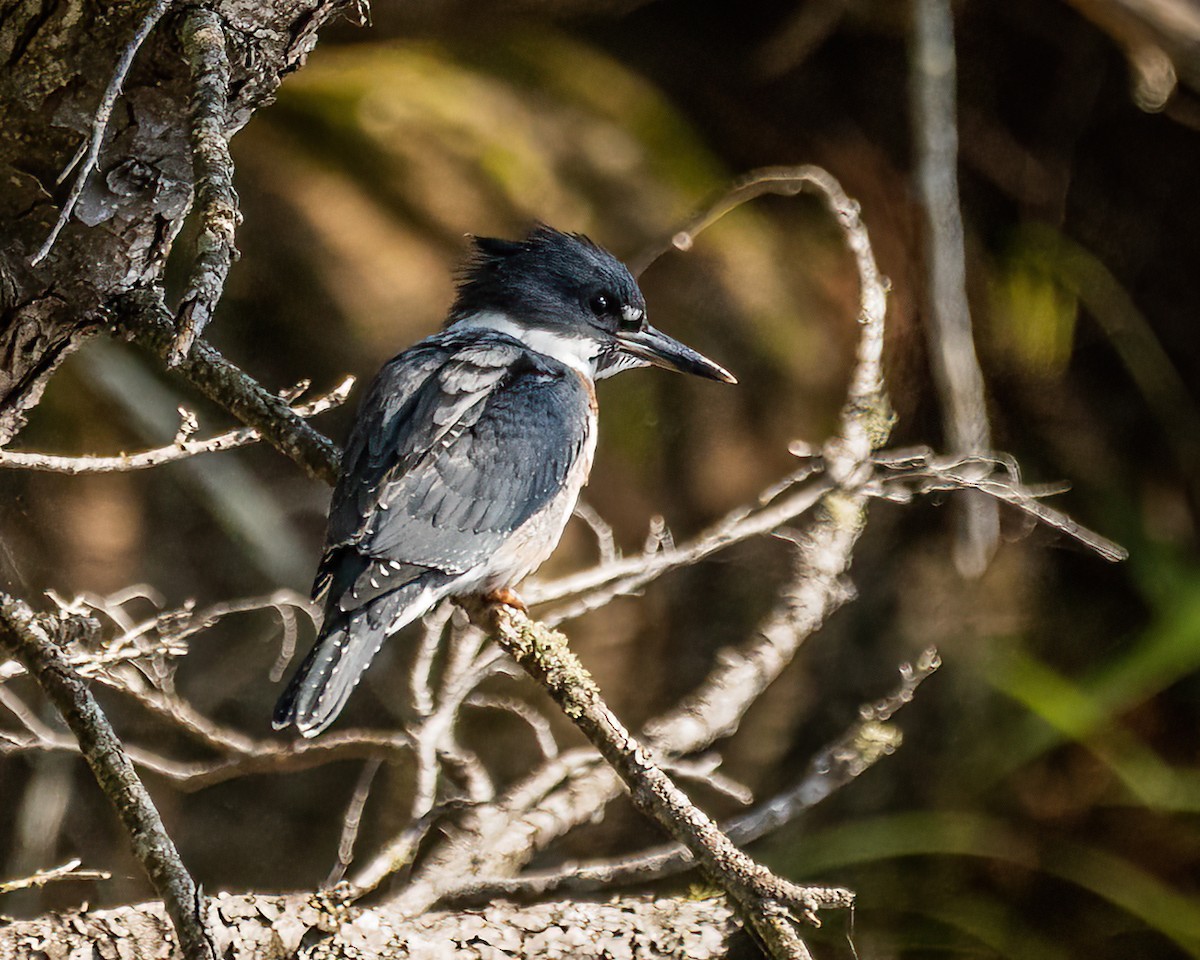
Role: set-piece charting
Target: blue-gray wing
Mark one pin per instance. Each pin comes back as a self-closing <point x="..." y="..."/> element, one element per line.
<point x="370" y="453"/>
<point x="464" y="442"/>
<point x="459" y="441"/>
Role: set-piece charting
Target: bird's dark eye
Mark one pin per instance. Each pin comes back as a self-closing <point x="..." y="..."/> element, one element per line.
<point x="601" y="304"/>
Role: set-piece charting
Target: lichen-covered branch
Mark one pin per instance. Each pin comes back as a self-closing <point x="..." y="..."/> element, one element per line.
<point x="868" y="740"/>
<point x="768" y="904"/>
<point x="216" y="203"/>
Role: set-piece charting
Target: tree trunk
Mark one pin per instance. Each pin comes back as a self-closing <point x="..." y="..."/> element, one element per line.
<point x="58" y="57"/>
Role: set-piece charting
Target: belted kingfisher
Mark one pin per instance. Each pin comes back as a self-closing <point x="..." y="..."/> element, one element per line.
<point x="470" y="449"/>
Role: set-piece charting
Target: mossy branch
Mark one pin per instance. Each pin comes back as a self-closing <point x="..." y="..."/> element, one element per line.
<point x="769" y="905"/>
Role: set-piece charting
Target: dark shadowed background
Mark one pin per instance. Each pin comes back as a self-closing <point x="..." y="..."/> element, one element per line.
<point x="1045" y="801"/>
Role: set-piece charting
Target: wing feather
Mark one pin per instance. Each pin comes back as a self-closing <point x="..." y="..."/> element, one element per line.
<point x="480" y="436"/>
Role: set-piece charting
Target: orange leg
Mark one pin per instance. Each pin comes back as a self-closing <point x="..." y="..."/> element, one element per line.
<point x="506" y="596"/>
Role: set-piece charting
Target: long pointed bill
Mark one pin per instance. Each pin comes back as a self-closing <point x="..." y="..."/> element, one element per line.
<point x="657" y="348"/>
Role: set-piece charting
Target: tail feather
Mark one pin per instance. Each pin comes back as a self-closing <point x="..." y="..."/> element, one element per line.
<point x="344" y="649"/>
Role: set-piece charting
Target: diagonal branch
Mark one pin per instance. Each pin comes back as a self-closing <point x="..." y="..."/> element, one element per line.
<point x="23" y="636"/>
<point x="768" y="904"/>
<point x="867" y="741"/>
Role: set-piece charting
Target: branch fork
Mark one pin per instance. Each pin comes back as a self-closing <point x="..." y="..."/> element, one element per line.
<point x="768" y="904"/>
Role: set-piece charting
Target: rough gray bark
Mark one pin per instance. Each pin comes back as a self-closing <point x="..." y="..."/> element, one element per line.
<point x="274" y="927"/>
<point x="56" y="58"/>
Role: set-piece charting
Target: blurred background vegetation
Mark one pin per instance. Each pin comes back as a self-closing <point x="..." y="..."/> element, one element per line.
<point x="1045" y="801"/>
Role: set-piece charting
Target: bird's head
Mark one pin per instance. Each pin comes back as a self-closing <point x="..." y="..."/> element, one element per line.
<point x="564" y="296"/>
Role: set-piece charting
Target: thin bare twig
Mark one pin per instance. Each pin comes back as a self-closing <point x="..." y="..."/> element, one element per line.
<point x="421" y="681"/>
<point x="87" y="158"/>
<point x="625" y="575"/>
<point x="352" y="821"/>
<point x="782" y="181"/>
<point x="543" y="733"/>
<point x="142" y="317"/>
<point x="605" y="541"/>
<point x="951" y="345"/>
<point x="255" y="757"/>
<point x="705" y="769"/>
<point x="920" y="471"/>
<point x="183" y="447"/>
<point x="68" y="871"/>
<point x="216" y="202"/>
<point x="159" y="636"/>
<point x="24" y="637"/>
<point x="464" y="768"/>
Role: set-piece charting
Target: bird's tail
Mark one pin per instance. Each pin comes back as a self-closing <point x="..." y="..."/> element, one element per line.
<point x="344" y="649"/>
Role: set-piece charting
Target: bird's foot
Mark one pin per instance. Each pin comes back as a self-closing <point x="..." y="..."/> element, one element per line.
<point x="506" y="596"/>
